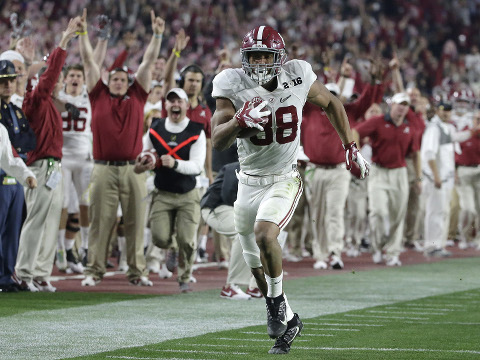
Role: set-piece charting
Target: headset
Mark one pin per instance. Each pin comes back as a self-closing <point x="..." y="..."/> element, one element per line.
<point x="190" y="68"/>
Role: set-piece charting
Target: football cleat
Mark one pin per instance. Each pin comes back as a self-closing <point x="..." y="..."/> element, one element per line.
<point x="276" y="316"/>
<point x="284" y="342"/>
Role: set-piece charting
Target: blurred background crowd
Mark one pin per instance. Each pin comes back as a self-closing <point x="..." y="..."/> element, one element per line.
<point x="436" y="41"/>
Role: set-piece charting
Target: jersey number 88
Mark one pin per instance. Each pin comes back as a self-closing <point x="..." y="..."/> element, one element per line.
<point x="282" y="133"/>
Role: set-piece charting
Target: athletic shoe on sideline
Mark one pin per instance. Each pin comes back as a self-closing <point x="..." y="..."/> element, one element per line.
<point x="163" y="273"/>
<point x="233" y="292"/>
<point x="276" y="316"/>
<point x="336" y="263"/>
<point x="450" y="243"/>
<point x="44" y="286"/>
<point x="377" y="257"/>
<point x="254" y="293"/>
<point x="73" y="263"/>
<point x="202" y="256"/>
<point x="320" y="265"/>
<point x="292" y="258"/>
<point x="90" y="281"/>
<point x="438" y="253"/>
<point x="184" y="287"/>
<point x="284" y="342"/>
<point x="23" y="285"/>
<point x="141" y="281"/>
<point x="394" y="261"/>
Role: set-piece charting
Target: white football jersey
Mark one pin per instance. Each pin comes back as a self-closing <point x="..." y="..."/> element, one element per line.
<point x="274" y="150"/>
<point x="77" y="134"/>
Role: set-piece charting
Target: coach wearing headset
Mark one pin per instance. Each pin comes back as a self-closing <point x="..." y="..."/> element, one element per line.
<point x="117" y="128"/>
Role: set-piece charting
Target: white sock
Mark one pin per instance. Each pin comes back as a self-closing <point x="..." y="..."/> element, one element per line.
<point x="202" y="243"/>
<point x="289" y="310"/>
<point x="69" y="244"/>
<point x="84" y="236"/>
<point x="275" y="285"/>
<point x="61" y="239"/>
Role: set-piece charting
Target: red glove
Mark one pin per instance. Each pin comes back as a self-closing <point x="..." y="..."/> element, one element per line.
<point x="252" y="116"/>
<point x="356" y="164"/>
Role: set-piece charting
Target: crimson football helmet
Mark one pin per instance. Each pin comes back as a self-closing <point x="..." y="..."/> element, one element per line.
<point x="263" y="39"/>
<point x="463" y="99"/>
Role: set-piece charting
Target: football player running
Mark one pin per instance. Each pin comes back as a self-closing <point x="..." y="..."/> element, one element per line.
<point x="77" y="162"/>
<point x="260" y="106"/>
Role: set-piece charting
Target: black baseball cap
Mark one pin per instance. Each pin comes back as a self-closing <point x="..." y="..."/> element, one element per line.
<point x="445" y="106"/>
<point x="7" y="69"/>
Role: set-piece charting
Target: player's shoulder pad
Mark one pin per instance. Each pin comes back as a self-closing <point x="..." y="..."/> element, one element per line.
<point x="227" y="83"/>
<point x="297" y="66"/>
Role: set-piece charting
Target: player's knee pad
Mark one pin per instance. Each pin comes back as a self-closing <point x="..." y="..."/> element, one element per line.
<point x="252" y="260"/>
<point x="73" y="223"/>
<point x="244" y="218"/>
<point x="251" y="252"/>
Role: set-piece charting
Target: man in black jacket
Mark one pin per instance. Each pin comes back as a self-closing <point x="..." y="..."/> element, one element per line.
<point x="217" y="211"/>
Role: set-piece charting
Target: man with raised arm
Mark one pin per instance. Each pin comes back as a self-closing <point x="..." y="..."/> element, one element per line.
<point x="117" y="128"/>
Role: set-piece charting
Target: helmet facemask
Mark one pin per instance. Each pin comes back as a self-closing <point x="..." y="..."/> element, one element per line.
<point x="262" y="73"/>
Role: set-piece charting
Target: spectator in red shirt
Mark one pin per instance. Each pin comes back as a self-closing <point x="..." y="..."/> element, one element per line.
<point x="468" y="189"/>
<point x="117" y="127"/>
<point x="44" y="204"/>
<point x="329" y="181"/>
<point x="392" y="138"/>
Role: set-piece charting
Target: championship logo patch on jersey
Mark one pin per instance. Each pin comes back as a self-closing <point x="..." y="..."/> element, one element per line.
<point x="256" y="100"/>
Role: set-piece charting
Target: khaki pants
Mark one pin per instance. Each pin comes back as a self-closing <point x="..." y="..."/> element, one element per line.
<point x="221" y="219"/>
<point x="38" y="239"/>
<point x="180" y="214"/>
<point x="111" y="185"/>
<point x="412" y="218"/>
<point x="329" y="191"/>
<point x="388" y="196"/>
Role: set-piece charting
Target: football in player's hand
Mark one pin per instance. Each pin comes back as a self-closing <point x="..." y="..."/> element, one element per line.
<point x="248" y="133"/>
<point x="147" y="158"/>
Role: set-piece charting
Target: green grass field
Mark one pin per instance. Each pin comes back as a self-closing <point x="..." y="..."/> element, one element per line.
<point x="428" y="311"/>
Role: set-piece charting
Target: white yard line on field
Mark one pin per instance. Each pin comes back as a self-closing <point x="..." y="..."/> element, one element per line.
<point x="389" y="350"/>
